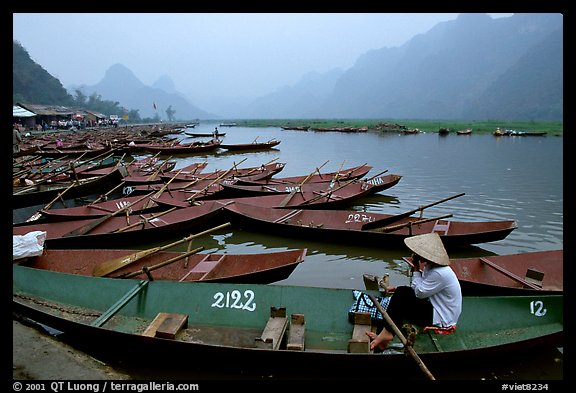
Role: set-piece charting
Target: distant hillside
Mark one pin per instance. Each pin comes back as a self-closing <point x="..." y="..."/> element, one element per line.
<point x="120" y="84"/>
<point x="474" y="67"/>
<point x="33" y="84"/>
<point x="289" y="100"/>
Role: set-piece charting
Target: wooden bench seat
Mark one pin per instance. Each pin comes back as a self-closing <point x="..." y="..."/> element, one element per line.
<point x="203" y="268"/>
<point x="360" y="342"/>
<point x="296" y="333"/>
<point x="166" y="325"/>
<point x="273" y="332"/>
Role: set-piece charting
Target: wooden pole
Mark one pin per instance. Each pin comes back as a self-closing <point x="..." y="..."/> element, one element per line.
<point x="397" y="331"/>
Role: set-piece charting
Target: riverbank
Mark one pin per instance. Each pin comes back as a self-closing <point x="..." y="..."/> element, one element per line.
<point x="38" y="356"/>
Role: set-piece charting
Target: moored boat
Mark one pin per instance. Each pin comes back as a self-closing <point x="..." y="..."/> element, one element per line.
<point x="261" y="268"/>
<point x="159" y="323"/>
<point x="351" y="226"/>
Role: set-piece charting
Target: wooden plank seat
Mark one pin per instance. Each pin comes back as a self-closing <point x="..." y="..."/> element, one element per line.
<point x="166" y="325"/>
<point x="273" y="332"/>
<point x="203" y="268"/>
<point x="439" y="227"/>
<point x="360" y="342"/>
<point x="296" y="333"/>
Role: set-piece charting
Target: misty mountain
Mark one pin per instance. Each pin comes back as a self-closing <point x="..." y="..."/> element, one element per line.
<point x="120" y="84"/>
<point x="461" y="69"/>
<point x="288" y="101"/>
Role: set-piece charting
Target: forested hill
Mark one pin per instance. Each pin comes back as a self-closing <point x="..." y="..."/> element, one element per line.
<point x="33" y="84"/>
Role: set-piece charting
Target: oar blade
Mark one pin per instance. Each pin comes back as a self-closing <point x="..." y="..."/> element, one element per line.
<point x="108" y="267"/>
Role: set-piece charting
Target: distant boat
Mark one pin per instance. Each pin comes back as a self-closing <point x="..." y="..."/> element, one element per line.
<point x="228" y="124"/>
<point x="467" y="131"/>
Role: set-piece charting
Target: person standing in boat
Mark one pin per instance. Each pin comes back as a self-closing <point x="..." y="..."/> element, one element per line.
<point x="433" y="299"/>
<point x="16" y="139"/>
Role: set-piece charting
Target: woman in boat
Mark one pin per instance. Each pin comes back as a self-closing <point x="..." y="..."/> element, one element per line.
<point x="433" y="299"/>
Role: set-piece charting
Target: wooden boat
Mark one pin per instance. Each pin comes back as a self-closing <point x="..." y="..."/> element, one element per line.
<point x="132" y="204"/>
<point x="250" y="146"/>
<point x="328" y="198"/>
<point x="262" y="268"/>
<point x="233" y="190"/>
<point x="118" y="231"/>
<point x="206" y="134"/>
<point x="530" y="273"/>
<point x="46" y="191"/>
<point x="467" y="131"/>
<point x="181" y="148"/>
<point x="346" y="226"/>
<point x="262" y="172"/>
<point x="341" y="175"/>
<point x="271" y="329"/>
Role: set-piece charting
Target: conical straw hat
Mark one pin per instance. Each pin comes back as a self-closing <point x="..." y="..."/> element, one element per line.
<point x="429" y="246"/>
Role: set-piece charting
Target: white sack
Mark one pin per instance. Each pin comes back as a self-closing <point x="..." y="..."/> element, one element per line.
<point x="28" y="245"/>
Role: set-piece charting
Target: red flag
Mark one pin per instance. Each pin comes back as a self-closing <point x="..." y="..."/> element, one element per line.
<point x="154" y="105"/>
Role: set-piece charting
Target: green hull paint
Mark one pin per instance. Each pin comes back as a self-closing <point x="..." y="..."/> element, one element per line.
<point x="243" y="309"/>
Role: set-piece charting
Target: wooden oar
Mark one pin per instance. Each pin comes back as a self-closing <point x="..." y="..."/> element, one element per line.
<point x="108" y="267"/>
<point x="84" y="229"/>
<point x="105" y="196"/>
<point x="299" y="187"/>
<point x="191" y="197"/>
<point x="407" y="348"/>
<point x="38" y="214"/>
<point x="143" y="221"/>
<point x="388" y="220"/>
<point x="393" y="228"/>
<point x="146" y="270"/>
<point x="329" y="193"/>
<point x="508" y="273"/>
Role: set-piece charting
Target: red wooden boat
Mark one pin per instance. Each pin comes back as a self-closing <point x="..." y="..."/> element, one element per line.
<point x="180" y="148"/>
<point x="523" y="274"/>
<point x="327" y="197"/>
<point x="133" y="205"/>
<point x="261" y="172"/>
<point x="529" y="273"/>
<point x="342" y="175"/>
<point x="250" y="146"/>
<point x="261" y="268"/>
<point x="233" y="190"/>
<point x="119" y="231"/>
<point x="346" y="226"/>
<point x="45" y="191"/>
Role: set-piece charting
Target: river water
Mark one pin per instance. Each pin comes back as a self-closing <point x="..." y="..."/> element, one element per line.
<point x="503" y="178"/>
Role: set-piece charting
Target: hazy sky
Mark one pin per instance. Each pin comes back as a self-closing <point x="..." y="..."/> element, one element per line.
<point x="211" y="54"/>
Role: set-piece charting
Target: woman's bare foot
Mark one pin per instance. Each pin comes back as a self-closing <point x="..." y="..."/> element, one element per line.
<point x="379" y="341"/>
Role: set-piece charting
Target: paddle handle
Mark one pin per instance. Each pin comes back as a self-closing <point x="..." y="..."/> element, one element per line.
<point x="397" y="331"/>
<point x="162" y="264"/>
<point x="193" y="236"/>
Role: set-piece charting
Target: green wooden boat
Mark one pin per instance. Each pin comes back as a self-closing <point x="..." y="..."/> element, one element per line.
<point x="231" y="327"/>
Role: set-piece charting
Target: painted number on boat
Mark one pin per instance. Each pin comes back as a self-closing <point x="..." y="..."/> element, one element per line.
<point x="537" y="308"/>
<point x="235" y="299"/>
<point x="358" y="217"/>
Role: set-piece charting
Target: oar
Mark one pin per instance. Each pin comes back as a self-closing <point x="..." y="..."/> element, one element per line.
<point x="393" y="228"/>
<point x="146" y="270"/>
<point x="508" y="273"/>
<point x="407" y="348"/>
<point x="329" y="193"/>
<point x="37" y="215"/>
<point x="145" y="220"/>
<point x="105" y="196"/>
<point x="299" y="187"/>
<point x="191" y="197"/>
<point x="84" y="229"/>
<point x="108" y="267"/>
<point x="388" y="220"/>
